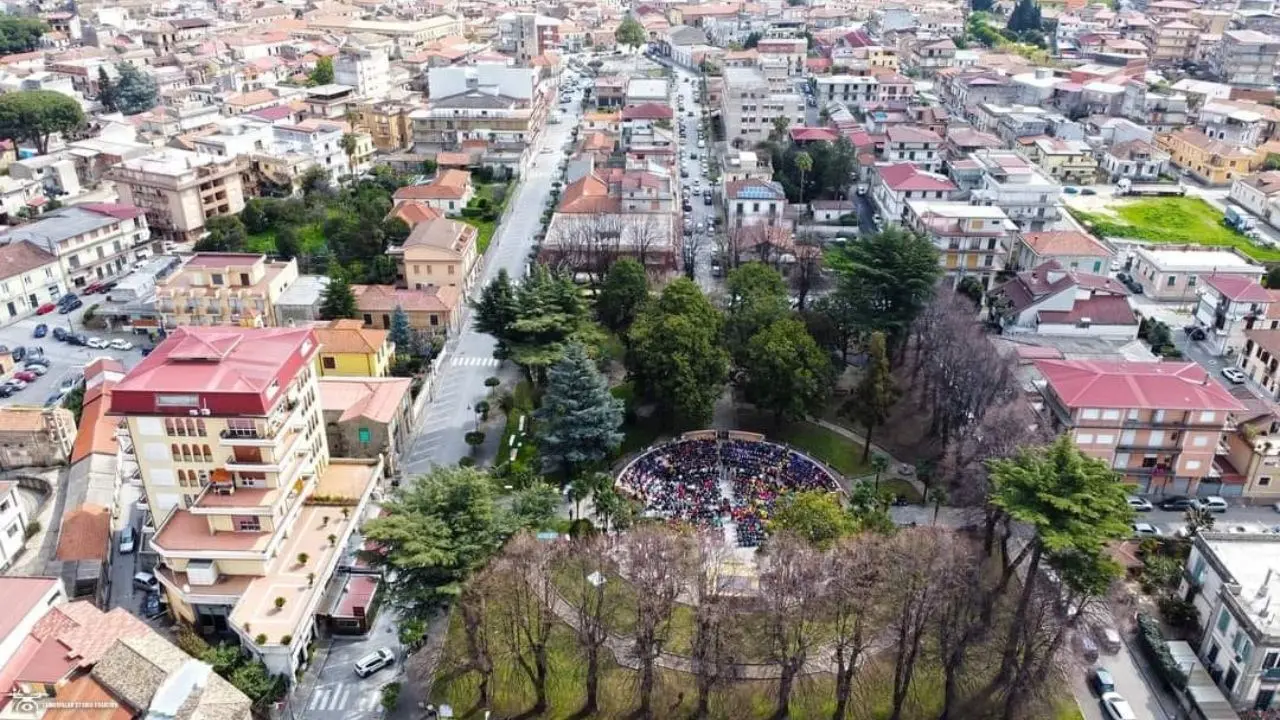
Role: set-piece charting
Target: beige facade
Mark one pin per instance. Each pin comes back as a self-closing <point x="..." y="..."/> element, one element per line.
<point x="35" y="436"/>
<point x="180" y="190"/>
<point x="438" y="252"/>
<point x="224" y="289"/>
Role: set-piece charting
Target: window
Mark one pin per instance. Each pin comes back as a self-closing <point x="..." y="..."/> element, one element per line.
<point x="175" y="451"/>
<point x="365" y="436"/>
<point x="1106" y="439"/>
<point x="1090" y="414"/>
<point x="215" y="279"/>
<point x="1208" y="416"/>
<point x="1264" y="481"/>
<point x="1084" y="439"/>
<point x="328" y="362"/>
<point x="1110" y="414"/>
<point x="246" y="523"/>
<point x="1224" y="621"/>
<point x="1193" y="465"/>
<point x="14" y="529"/>
<point x="1171" y="281"/>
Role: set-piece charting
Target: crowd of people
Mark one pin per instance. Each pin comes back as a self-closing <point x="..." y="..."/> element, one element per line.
<point x="685" y="481"/>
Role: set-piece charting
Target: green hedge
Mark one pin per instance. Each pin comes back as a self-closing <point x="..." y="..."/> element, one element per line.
<point x="1153" y="646"/>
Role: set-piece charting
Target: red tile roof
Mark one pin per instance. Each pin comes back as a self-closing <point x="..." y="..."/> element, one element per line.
<point x="85" y="534"/>
<point x="1238" y="288"/>
<point x="588" y="194"/>
<point x="911" y="134"/>
<point x="906" y="176"/>
<point x="1098" y="310"/>
<point x="648" y="111"/>
<point x="450" y="184"/>
<point x="1068" y="243"/>
<point x="811" y="134"/>
<point x="120" y="211"/>
<point x="1135" y="385"/>
<point x="21" y="595"/>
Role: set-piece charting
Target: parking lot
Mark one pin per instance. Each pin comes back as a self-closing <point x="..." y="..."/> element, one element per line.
<point x="64" y="360"/>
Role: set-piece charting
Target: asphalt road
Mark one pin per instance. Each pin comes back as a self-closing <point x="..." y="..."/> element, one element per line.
<point x="439" y="440"/>
<point x="698" y="181"/>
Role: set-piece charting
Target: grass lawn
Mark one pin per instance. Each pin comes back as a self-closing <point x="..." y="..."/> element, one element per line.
<point x="523" y="408"/>
<point x="310" y="236"/>
<point x="1172" y="220"/>
<point x="484" y="233"/>
<point x="497" y="195"/>
<point x="831" y="448"/>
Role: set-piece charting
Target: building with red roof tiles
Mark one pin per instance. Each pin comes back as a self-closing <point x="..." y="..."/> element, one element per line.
<point x="916" y="145"/>
<point x="1159" y="424"/>
<point x="892" y="186"/>
<point x="1230" y="305"/>
<point x="368" y="417"/>
<point x="1050" y="299"/>
<point x="804" y="135"/>
<point x="449" y="192"/>
<point x="1071" y="249"/>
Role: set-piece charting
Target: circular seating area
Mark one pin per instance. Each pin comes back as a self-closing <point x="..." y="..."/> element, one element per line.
<point x="723" y="482"/>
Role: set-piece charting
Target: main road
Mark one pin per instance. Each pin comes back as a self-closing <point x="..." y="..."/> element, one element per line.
<point x="439" y="439"/>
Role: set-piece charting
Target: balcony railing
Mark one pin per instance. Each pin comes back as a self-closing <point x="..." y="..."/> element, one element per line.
<point x="1271" y="674"/>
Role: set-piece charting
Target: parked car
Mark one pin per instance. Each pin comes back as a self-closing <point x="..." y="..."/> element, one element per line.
<point x="1108" y="638"/>
<point x="16" y="383"/>
<point x="1101" y="681"/>
<point x="70" y="381"/>
<point x="374" y="661"/>
<point x="1195" y="333"/>
<point x="41" y="331"/>
<point x="97" y="343"/>
<point x="46" y="308"/>
<point x="18" y="353"/>
<point x="68" y="307"/>
<point x="69" y="297"/>
<point x="1088" y="191"/>
<point x="36" y="369"/>
<point x="1177" y="502"/>
<point x="59" y="334"/>
<point x="1146" y="530"/>
<point x="6" y="391"/>
<point x="1116" y="707"/>
<point x="1086" y="647"/>
<point x="126" y="540"/>
<point x="1234" y="375"/>
<point x="120" y="344"/>
<point x="1140" y="504"/>
<point x="1212" y="503"/>
<point x="145" y="581"/>
<point x="1070" y="190"/>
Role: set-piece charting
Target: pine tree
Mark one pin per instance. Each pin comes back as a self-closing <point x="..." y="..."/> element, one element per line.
<point x="135" y="91"/>
<point x="106" y="91"/>
<point x="402" y="333"/>
<point x="876" y="393"/>
<point x="579" y="420"/>
<point x="497" y="308"/>
<point x="323" y="72"/>
<point x="337" y="301"/>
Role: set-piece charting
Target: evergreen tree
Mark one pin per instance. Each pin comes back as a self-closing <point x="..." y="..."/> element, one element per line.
<point x="885" y="279"/>
<point x="625" y="289"/>
<point x="785" y="372"/>
<point x="757" y="299"/>
<point x="323" y="72"/>
<point x="288" y="246"/>
<point x="35" y="115"/>
<point x="337" y="301"/>
<point x="1025" y="16"/>
<point x="135" y="91"/>
<point x="630" y="33"/>
<point x="497" y="308"/>
<point x="401" y="333"/>
<point x="106" y="91"/>
<point x="876" y="392"/>
<point x="226" y="234"/>
<point x="579" y="420"/>
<point x="677" y="355"/>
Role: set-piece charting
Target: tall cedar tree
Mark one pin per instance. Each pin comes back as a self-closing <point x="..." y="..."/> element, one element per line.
<point x="135" y="91"/>
<point x="876" y="393"/>
<point x="550" y="314"/>
<point x="785" y="372"/>
<point x="497" y="308"/>
<point x="106" y="91"/>
<point x="337" y="301"/>
<point x="625" y="289"/>
<point x="677" y="356"/>
<point x="757" y="299"/>
<point x="579" y="420"/>
<point x="401" y="332"/>
<point x="885" y="280"/>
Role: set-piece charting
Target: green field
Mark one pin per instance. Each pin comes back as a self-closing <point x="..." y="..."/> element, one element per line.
<point x="1172" y="220"/>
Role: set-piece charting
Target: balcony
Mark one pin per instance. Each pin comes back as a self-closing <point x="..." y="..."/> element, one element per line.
<point x="1271" y="674"/>
<point x="255" y="462"/>
<point x="249" y="437"/>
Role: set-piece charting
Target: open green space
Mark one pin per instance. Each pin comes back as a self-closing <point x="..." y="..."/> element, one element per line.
<point x="1172" y="220"/>
<point x="495" y="196"/>
<point x="830" y="447"/>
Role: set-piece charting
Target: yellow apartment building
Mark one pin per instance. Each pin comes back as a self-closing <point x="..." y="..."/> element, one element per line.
<point x="1212" y="162"/>
<point x="349" y="349"/>
<point x="224" y="289"/>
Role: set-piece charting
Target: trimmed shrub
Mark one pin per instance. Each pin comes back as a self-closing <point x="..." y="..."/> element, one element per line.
<point x="1153" y="646"/>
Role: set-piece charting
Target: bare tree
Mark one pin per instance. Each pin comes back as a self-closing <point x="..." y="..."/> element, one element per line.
<point x="528" y="615"/>
<point x="855" y="571"/>
<point x="791" y="598"/>
<point x="473" y="607"/>
<point x="714" y="628"/>
<point x="645" y="235"/>
<point x="806" y="273"/>
<point x="658" y="560"/>
<point x="958" y="624"/>
<point x="589" y="559"/>
<point x="690" y="248"/>
<point x="917" y="559"/>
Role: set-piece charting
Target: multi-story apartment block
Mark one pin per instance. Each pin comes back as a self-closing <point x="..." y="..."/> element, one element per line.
<point x="179" y="190"/>
<point x="1253" y="452"/>
<point x="1071" y="249"/>
<point x="1260" y="358"/>
<point x="1067" y="161"/>
<point x="1230" y="123"/>
<point x="438" y="252"/>
<point x="1133" y="160"/>
<point x="1230" y="578"/>
<point x="1247" y="58"/>
<point x="252" y="515"/>
<point x="915" y="145"/>
<point x="320" y="141"/>
<point x="1213" y="162"/>
<point x="928" y="57"/>
<point x="527" y="35"/>
<point x="1228" y="306"/>
<point x="792" y="51"/>
<point x="893" y="186"/>
<point x="1158" y="424"/>
<point x="972" y="240"/>
<point x="504" y="107"/>
<point x="1027" y="195"/>
<point x="92" y="242"/>
<point x="29" y="277"/>
<point x="224" y="289"/>
<point x="749" y="108"/>
<point x="1172" y="42"/>
<point x="365" y="68"/>
<point x="387" y="123"/>
<point x="755" y="202"/>
<point x="13" y="524"/>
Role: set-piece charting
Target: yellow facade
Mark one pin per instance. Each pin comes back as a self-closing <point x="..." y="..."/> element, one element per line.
<point x="355" y="364"/>
<point x="348" y="349"/>
<point x="1213" y="162"/>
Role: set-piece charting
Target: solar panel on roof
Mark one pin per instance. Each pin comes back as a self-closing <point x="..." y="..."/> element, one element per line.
<point x="756" y="192"/>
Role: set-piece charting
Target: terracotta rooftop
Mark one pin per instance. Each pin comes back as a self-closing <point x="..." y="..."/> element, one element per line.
<point x="85" y="534"/>
<point x="1127" y="384"/>
<point x="1238" y="288"/>
<point x="905" y="177"/>
<point x="442" y="234"/>
<point x="450" y="184"/>
<point x="85" y="699"/>
<point x="385" y="298"/>
<point x="1098" y="310"/>
<point x="1066" y="243"/>
<point x="413" y="212"/>
<point x="377" y="399"/>
<point x="22" y="419"/>
<point x="21" y="257"/>
<point x="350" y="336"/>
<point x="588" y="194"/>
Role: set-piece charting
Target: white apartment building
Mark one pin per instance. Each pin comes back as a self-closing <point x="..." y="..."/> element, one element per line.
<point x="322" y="142"/>
<point x="748" y="108"/>
<point x="1009" y="181"/>
<point x="1231" y="579"/>
<point x="505" y="107"/>
<point x="972" y="240"/>
<point x="92" y="242"/>
<point x="13" y="523"/>
<point x="1247" y="57"/>
<point x="366" y="68"/>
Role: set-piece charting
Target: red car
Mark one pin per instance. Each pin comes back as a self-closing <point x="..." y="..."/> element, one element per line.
<point x="46" y="308"/>
<point x="25" y="375"/>
<point x="91" y="289"/>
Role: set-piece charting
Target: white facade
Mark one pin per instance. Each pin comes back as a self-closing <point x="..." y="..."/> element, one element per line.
<point x="749" y="108"/>
<point x="1028" y="196"/>
<point x="367" y="69"/>
<point x="13" y="526"/>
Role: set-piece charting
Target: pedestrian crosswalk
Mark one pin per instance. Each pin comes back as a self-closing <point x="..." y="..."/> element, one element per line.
<point x="475" y="362"/>
<point x="343" y="697"/>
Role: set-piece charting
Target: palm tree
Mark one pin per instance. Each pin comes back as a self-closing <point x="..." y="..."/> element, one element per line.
<point x="349" y="144"/>
<point x="936" y="495"/>
<point x="804" y="163"/>
<point x="879" y="463"/>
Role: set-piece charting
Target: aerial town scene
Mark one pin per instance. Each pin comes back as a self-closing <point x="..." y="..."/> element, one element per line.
<point x="650" y="360"/>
